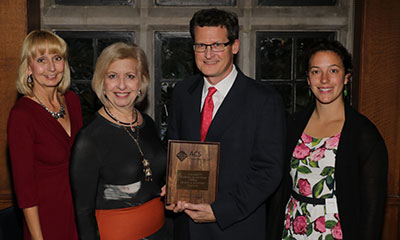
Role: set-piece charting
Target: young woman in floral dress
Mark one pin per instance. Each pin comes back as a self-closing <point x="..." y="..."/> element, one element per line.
<point x="335" y="177"/>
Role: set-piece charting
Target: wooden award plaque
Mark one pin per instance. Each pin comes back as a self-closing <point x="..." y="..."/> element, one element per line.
<point x="192" y="171"/>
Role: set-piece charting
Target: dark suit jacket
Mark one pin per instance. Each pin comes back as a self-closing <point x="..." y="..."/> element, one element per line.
<point x="360" y="175"/>
<point x="250" y="128"/>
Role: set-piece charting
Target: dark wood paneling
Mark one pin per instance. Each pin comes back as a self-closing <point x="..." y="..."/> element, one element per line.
<point x="379" y="94"/>
<point x="392" y="217"/>
<point x="14" y="25"/>
<point x="33" y="16"/>
<point x="379" y="89"/>
<point x="13" y="19"/>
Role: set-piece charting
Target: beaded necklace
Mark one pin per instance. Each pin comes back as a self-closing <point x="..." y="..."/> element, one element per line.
<point x="56" y="115"/>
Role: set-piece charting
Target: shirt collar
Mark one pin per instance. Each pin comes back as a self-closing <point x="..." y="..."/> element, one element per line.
<point x="224" y="85"/>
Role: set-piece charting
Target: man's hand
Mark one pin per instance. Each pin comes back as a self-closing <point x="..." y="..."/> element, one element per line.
<point x="200" y="213"/>
<point x="178" y="207"/>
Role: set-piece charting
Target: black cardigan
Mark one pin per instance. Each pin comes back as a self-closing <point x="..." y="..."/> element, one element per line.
<point x="360" y="175"/>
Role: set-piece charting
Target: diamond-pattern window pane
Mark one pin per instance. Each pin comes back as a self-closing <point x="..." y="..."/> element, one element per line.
<point x="176" y="54"/>
<point x="275" y="59"/>
<point x="196" y="2"/>
<point x="302" y="96"/>
<point x="174" y="61"/>
<point x="296" y="2"/>
<point x="84" y="48"/>
<point x="301" y="48"/>
<point x="89" y="102"/>
<point x="81" y="59"/>
<point x="280" y="62"/>
<point x="166" y="95"/>
<point x="286" y="92"/>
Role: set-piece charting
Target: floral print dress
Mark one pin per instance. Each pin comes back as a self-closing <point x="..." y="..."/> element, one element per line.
<point x="312" y="171"/>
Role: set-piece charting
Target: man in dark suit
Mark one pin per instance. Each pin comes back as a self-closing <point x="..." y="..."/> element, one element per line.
<point x="223" y="105"/>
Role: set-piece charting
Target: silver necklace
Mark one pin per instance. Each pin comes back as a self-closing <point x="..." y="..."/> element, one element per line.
<point x="145" y="162"/>
<point x="56" y="115"/>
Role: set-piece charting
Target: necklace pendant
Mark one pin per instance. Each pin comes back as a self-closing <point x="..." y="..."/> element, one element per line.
<point x="59" y="114"/>
<point x="145" y="163"/>
<point x="147" y="170"/>
<point x="147" y="175"/>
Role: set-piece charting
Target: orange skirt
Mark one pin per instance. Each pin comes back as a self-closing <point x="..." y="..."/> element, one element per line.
<point x="131" y="223"/>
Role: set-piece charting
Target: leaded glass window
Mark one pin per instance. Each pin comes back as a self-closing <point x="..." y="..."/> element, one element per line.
<point x="84" y="48"/>
<point x="174" y="61"/>
<point x="280" y="62"/>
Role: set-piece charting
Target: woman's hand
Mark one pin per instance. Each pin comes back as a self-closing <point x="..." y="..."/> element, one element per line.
<point x="32" y="220"/>
<point x="163" y="191"/>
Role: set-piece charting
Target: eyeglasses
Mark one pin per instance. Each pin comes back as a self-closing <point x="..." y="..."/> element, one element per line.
<point x="215" y="47"/>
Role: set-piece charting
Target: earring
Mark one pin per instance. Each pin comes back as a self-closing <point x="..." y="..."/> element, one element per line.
<point x="309" y="92"/>
<point x="139" y="93"/>
<point x="345" y="91"/>
<point x="30" y="81"/>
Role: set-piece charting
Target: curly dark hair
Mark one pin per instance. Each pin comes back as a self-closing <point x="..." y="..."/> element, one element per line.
<point x="214" y="17"/>
<point x="334" y="46"/>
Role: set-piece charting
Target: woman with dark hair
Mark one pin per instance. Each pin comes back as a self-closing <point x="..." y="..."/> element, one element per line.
<point x="41" y="129"/>
<point x="118" y="162"/>
<point x="334" y="185"/>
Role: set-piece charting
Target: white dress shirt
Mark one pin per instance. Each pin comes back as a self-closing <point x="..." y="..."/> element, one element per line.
<point x="222" y="87"/>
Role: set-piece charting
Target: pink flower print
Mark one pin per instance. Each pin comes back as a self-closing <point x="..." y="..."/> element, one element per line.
<point x="320" y="224"/>
<point x="317" y="155"/>
<point x="301" y="151"/>
<point x="304" y="187"/>
<point x="336" y="215"/>
<point x="292" y="204"/>
<point x="287" y="226"/>
<point x="305" y="138"/>
<point x="300" y="225"/>
<point x="337" y="232"/>
<point x="332" y="142"/>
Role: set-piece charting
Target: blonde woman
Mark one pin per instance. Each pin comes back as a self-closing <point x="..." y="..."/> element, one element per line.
<point x="118" y="161"/>
<point x="41" y="129"/>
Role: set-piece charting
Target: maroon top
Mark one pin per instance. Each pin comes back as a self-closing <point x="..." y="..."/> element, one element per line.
<point x="40" y="152"/>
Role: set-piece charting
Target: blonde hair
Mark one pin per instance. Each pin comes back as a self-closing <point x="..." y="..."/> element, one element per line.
<point x="38" y="41"/>
<point x="120" y="51"/>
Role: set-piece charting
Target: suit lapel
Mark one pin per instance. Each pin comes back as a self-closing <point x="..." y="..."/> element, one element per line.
<point x="228" y="111"/>
<point x="194" y="102"/>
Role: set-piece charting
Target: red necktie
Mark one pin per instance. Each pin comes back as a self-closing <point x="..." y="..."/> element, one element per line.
<point x="207" y="113"/>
